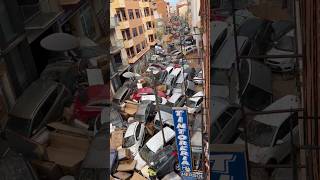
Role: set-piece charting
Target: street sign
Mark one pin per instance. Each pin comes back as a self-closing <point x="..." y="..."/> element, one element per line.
<point x="228" y="162"/>
<point x="180" y="120"/>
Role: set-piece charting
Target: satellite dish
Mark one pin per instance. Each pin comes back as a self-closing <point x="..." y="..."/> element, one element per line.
<point x="60" y="42"/>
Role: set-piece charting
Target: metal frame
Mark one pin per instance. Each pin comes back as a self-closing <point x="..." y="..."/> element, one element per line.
<point x="294" y="148"/>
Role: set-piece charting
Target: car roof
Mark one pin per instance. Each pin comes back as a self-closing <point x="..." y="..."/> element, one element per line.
<point x="259" y="72"/>
<point x="276" y="119"/>
<point x="196" y="97"/>
<point x="131" y="128"/>
<point x="225" y="59"/>
<point x="120" y="92"/>
<point x="174" y="97"/>
<point x="156" y="142"/>
<point x="28" y="103"/>
<point x="142" y="108"/>
<point x="216" y="28"/>
<point x="251" y="26"/>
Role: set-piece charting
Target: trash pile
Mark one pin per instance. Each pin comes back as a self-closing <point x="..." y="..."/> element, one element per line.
<point x="140" y="146"/>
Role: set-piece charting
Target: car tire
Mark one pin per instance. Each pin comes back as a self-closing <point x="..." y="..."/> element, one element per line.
<point x="269" y="170"/>
<point x="176" y="167"/>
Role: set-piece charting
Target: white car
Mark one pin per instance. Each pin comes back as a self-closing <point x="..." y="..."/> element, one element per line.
<point x="153" y="145"/>
<point x="198" y="79"/>
<point x="191" y="49"/>
<point x="152" y="98"/>
<point x="154" y="69"/>
<point x="133" y="137"/>
<point x="285" y="46"/>
<point x="194" y="103"/>
<point x="268" y="135"/>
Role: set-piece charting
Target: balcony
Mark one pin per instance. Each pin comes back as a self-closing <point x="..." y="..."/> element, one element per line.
<point x="118" y="3"/>
<point x="116" y="46"/>
<point x="128" y="43"/>
<point x="148" y="18"/>
<point x="151" y="31"/>
<point x="124" y="24"/>
<point x="144" y="4"/>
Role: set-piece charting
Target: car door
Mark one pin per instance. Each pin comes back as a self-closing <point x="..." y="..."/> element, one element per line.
<point x="280" y="151"/>
<point x="215" y="134"/>
<point x="139" y="134"/>
<point x="226" y="125"/>
<point x="198" y="105"/>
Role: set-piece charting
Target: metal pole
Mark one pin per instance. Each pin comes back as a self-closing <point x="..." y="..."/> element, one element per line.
<point x="238" y="70"/>
<point x="157" y="105"/>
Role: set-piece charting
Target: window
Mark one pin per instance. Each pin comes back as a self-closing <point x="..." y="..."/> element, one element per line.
<point x="232" y="110"/>
<point x="130" y="52"/>
<point x="146" y="12"/>
<point x="214" y="132"/>
<point x="138" y="48"/>
<point x="285" y="128"/>
<point x="44" y="109"/>
<point x="137" y="13"/>
<point x="130" y="13"/>
<point x="140" y="30"/>
<point x="126" y="34"/>
<point x="88" y="23"/>
<point x="143" y="44"/>
<point x="149" y="26"/>
<point x="121" y="14"/>
<point x="138" y="131"/>
<point x="151" y="12"/>
<point x="134" y="32"/>
<point x="223" y="119"/>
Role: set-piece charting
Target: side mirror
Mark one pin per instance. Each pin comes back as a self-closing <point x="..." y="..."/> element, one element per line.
<point x="279" y="142"/>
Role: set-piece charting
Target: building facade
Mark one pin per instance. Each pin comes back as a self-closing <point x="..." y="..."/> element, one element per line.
<point x="135" y="28"/>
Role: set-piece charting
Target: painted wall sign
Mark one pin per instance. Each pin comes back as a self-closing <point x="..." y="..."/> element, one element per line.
<point x="180" y="119"/>
<point x="228" y="162"/>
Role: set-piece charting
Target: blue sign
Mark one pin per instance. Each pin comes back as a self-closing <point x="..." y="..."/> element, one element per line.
<point x="228" y="164"/>
<point x="180" y="120"/>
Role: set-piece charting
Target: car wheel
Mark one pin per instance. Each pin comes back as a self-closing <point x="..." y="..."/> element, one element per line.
<point x="270" y="169"/>
<point x="176" y="167"/>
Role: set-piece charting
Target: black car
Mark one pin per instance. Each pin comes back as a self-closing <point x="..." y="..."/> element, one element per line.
<point x="165" y="161"/>
<point x="145" y="111"/>
<point x="13" y="165"/>
<point x="91" y="169"/>
<point x="258" y="31"/>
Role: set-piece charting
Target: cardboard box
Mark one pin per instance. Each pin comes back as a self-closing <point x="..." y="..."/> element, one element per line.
<point x="67" y="151"/>
<point x="137" y="176"/>
<point x="162" y="88"/>
<point x="122" y="175"/>
<point x="127" y="165"/>
<point x="124" y="154"/>
<point x="131" y="108"/>
<point x="116" y="139"/>
<point x="47" y="170"/>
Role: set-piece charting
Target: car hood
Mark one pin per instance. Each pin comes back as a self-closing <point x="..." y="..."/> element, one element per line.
<point x="275" y="51"/>
<point x="140" y="162"/>
<point x="257" y="154"/>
